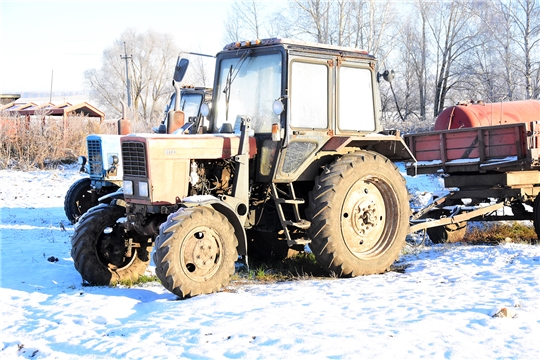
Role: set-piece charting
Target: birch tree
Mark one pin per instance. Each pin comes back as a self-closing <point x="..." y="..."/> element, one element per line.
<point x="526" y="17"/>
<point x="454" y="31"/>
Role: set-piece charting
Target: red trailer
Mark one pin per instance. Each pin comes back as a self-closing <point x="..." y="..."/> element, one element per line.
<point x="485" y="168"/>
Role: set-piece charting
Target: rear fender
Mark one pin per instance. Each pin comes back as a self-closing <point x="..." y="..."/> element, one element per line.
<point x="226" y="210"/>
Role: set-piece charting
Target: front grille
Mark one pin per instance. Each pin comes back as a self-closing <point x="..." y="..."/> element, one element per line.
<point x="134" y="158"/>
<point x="95" y="159"/>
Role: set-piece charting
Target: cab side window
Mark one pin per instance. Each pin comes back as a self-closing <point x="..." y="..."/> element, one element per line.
<point x="309" y="95"/>
<point x="355" y="109"/>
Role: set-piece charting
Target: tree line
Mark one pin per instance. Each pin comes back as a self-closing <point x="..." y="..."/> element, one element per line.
<point x="442" y="51"/>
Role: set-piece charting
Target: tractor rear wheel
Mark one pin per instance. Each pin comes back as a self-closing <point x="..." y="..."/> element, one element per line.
<point x="195" y="252"/>
<point x="359" y="212"/>
<point x="99" y="248"/>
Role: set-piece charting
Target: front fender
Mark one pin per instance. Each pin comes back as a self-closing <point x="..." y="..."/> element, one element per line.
<point x="227" y="211"/>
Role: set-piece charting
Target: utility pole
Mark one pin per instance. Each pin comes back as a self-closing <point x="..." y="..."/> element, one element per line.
<point x="50" y="93"/>
<point x="128" y="83"/>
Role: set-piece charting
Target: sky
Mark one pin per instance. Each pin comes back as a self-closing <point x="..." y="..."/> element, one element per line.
<point x="59" y="40"/>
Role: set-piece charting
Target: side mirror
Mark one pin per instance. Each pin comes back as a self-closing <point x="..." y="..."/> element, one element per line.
<point x="278" y="107"/>
<point x="180" y="69"/>
<point x="387" y="75"/>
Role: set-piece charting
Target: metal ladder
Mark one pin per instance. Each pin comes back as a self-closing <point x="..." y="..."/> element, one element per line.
<point x="289" y="198"/>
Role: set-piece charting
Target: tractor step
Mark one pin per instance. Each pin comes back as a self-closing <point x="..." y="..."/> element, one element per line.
<point x="290" y="201"/>
<point x="301" y="241"/>
<point x="302" y="224"/>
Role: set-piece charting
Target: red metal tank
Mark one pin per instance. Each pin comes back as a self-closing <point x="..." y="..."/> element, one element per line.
<point x="480" y="114"/>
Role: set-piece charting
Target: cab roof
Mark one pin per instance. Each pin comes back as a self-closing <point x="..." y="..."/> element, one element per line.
<point x="300" y="45"/>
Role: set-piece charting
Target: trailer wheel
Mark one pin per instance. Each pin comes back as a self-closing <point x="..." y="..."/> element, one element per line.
<point x="536" y="216"/>
<point x="446" y="234"/>
<point x="195" y="252"/>
<point x="359" y="212"/>
<point x="99" y="251"/>
<point x="78" y="199"/>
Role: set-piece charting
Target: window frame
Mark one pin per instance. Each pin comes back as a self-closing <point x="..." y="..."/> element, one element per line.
<point x="329" y="78"/>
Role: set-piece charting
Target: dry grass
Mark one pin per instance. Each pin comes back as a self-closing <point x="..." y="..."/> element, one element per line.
<point x="44" y="141"/>
<point x="299" y="267"/>
<point x="501" y="232"/>
<point x="143" y="279"/>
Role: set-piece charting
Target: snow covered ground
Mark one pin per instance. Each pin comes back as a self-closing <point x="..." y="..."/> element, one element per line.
<point x="440" y="307"/>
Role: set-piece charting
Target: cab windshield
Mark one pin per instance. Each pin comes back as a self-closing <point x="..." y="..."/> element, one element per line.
<point x="248" y="86"/>
<point x="190" y="104"/>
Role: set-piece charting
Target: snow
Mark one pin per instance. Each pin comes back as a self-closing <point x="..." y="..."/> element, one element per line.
<point x="466" y="161"/>
<point x="441" y="306"/>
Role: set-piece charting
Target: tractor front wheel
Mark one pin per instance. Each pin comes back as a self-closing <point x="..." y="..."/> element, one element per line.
<point x="195" y="252"/>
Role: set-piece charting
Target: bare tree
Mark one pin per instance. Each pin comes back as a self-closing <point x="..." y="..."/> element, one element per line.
<point x="153" y="57"/>
<point x="412" y="57"/>
<point x="454" y="28"/>
<point x="526" y="17"/>
<point x="371" y="26"/>
<point x="313" y="18"/>
<point x="245" y="20"/>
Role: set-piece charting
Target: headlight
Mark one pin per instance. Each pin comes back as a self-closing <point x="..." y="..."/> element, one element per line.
<point x="128" y="187"/>
<point x="81" y="160"/>
<point x="143" y="188"/>
<point x="113" y="160"/>
<point x="205" y="109"/>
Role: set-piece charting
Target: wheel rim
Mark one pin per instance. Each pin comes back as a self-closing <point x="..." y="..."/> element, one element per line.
<point x="112" y="250"/>
<point x="366" y="223"/>
<point x="200" y="254"/>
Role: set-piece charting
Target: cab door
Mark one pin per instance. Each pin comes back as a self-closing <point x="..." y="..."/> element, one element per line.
<point x="310" y="112"/>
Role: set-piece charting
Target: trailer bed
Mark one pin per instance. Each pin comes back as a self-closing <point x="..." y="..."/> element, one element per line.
<point x="499" y="148"/>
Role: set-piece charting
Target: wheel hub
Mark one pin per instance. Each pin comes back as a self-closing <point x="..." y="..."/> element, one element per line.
<point x="365" y="217"/>
<point x="201" y="253"/>
<point x="204" y="254"/>
<point x="362" y="220"/>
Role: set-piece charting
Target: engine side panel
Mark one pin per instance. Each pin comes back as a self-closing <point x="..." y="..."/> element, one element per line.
<point x="165" y="162"/>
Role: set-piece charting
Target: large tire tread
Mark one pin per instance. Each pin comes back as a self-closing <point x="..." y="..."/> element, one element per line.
<point x="85" y="254"/>
<point x="324" y="212"/>
<point x="172" y="235"/>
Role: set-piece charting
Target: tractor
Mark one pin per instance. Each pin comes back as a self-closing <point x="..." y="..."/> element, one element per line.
<point x="290" y="152"/>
